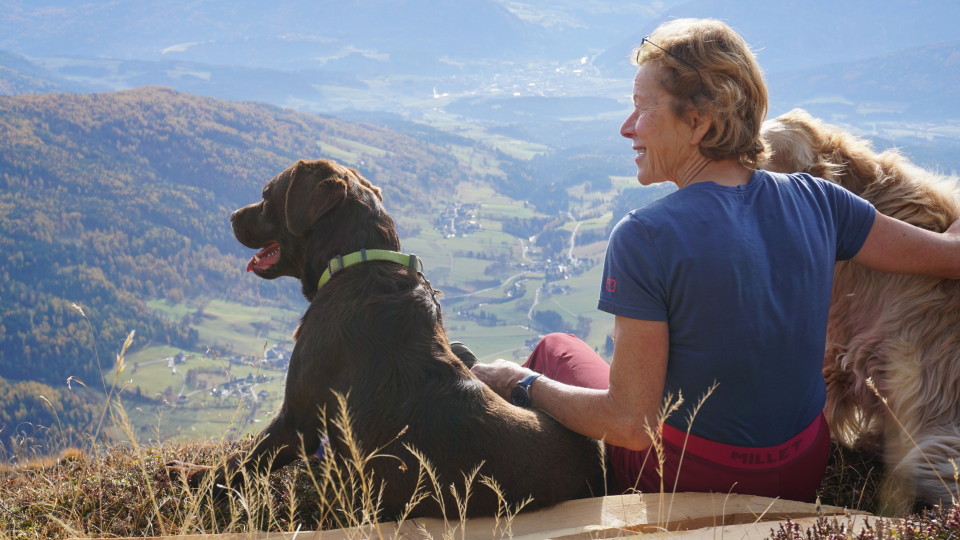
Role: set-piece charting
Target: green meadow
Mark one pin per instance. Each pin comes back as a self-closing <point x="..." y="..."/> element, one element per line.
<point x="168" y="400"/>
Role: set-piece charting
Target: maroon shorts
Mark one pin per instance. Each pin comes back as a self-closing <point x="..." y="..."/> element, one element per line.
<point x="792" y="470"/>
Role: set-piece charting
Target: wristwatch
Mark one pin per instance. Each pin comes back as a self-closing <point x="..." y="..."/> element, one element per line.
<point x="520" y="395"/>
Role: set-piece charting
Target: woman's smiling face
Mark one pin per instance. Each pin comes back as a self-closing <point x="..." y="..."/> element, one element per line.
<point x="661" y="139"/>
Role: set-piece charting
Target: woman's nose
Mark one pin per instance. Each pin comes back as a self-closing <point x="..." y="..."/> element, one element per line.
<point x="626" y="129"/>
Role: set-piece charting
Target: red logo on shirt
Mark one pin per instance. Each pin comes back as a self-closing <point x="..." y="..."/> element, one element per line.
<point x="611" y="285"/>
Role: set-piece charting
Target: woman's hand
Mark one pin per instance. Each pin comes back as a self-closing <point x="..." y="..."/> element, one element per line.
<point x="500" y="375"/>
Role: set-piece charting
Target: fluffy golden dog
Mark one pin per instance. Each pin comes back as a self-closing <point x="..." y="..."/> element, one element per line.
<point x="900" y="332"/>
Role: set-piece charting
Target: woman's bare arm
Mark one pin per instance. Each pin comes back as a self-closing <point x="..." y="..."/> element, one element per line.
<point x="897" y="247"/>
<point x="619" y="415"/>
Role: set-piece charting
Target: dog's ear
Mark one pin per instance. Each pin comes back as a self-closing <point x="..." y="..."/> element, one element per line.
<point x="366" y="183"/>
<point x="312" y="192"/>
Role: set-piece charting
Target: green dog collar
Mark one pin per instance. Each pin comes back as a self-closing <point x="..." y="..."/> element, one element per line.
<point x="338" y="263"/>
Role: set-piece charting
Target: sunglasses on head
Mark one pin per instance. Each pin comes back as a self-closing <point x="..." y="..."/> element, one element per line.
<point x="675" y="57"/>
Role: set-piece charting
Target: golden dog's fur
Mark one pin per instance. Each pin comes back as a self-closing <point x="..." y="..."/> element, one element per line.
<point x="902" y="332"/>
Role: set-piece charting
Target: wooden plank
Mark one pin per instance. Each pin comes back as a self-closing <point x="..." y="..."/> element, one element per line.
<point x="619" y="515"/>
<point x="703" y="515"/>
<point x="753" y="531"/>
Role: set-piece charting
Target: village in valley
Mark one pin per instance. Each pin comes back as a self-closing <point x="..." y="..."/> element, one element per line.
<point x="212" y="380"/>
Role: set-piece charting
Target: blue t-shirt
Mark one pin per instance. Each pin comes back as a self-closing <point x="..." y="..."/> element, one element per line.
<point x="743" y="277"/>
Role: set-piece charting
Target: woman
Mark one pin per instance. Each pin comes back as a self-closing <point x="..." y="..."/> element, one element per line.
<point x="720" y="290"/>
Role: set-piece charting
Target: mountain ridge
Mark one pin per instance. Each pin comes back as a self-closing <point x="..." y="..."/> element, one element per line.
<point x="394" y="35"/>
<point x="921" y="83"/>
<point x="799" y="34"/>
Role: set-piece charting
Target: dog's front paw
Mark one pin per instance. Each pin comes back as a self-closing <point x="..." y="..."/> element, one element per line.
<point x="196" y="477"/>
<point x="179" y="472"/>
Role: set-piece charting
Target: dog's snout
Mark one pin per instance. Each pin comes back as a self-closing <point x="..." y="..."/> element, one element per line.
<point x="233" y="215"/>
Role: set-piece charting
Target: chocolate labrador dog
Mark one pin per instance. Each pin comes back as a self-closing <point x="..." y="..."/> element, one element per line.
<point x="373" y="332"/>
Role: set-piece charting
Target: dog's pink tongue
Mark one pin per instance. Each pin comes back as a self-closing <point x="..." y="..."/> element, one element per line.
<point x="267" y="257"/>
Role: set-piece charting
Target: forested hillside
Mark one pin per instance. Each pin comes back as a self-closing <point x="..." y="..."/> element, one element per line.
<point x="110" y="200"/>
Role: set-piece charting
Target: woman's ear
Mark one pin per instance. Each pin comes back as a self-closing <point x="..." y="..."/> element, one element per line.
<point x="699" y="125"/>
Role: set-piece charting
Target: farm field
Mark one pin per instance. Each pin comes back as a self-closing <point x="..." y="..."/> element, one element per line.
<point x="185" y="398"/>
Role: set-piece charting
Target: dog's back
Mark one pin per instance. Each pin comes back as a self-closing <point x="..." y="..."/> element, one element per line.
<point x="896" y="187"/>
<point x="897" y="333"/>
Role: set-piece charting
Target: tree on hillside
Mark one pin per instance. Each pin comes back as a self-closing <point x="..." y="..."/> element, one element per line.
<point x="550" y="321"/>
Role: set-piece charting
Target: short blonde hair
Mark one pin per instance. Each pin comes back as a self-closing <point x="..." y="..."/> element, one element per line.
<point x="706" y="64"/>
